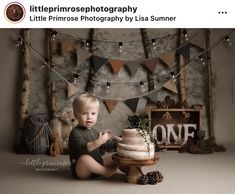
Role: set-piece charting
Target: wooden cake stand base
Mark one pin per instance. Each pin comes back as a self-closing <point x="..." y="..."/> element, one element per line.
<point x="134" y="165"/>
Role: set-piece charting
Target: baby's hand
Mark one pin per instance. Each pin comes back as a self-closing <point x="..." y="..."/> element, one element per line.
<point x="103" y="138"/>
<point x="109" y="133"/>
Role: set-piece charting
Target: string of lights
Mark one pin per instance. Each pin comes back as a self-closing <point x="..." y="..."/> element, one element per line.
<point x="158" y="87"/>
<point x="54" y="33"/>
<point x="78" y="39"/>
<point x="86" y="42"/>
<point x="200" y="55"/>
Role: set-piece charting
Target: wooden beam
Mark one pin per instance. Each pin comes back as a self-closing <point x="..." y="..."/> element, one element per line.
<point x="210" y="102"/>
<point x="148" y="54"/>
<point x="91" y="75"/>
<point x="24" y="102"/>
<point x="181" y="66"/>
<point x="52" y="86"/>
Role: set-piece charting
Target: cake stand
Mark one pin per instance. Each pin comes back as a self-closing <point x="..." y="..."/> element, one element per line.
<point x="134" y="165"/>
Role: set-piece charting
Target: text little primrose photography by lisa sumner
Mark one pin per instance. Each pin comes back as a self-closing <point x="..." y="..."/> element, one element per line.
<point x="84" y="18"/>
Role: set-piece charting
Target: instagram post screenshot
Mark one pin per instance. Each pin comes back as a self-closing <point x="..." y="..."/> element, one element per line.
<point x="125" y="96"/>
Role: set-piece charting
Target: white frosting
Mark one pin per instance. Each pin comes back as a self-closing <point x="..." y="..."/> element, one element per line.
<point x="135" y="146"/>
<point x="135" y="154"/>
<point x="142" y="148"/>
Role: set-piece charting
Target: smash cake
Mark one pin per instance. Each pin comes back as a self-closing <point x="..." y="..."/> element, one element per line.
<point x="135" y="144"/>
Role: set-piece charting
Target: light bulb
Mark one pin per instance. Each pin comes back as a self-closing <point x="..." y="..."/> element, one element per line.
<point x="142" y="86"/>
<point x="228" y="40"/>
<point x="108" y="85"/>
<point x="154" y="44"/>
<point x="173" y="75"/>
<point x="185" y="34"/>
<point x="202" y="60"/>
<point x="19" y="42"/>
<point x="87" y="46"/>
<point x="120" y="47"/>
<point x="76" y="76"/>
<point x="46" y="61"/>
<point x="53" y="35"/>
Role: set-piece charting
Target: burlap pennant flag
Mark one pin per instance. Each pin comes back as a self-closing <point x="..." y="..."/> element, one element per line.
<point x="116" y="65"/>
<point x="82" y="55"/>
<point x="168" y="58"/>
<point x="132" y="103"/>
<point x="171" y="85"/>
<point x="98" y="62"/>
<point x="72" y="89"/>
<point x="133" y="67"/>
<point x="66" y="46"/>
<point x="151" y="64"/>
<point x="184" y="51"/>
<point x="110" y="104"/>
<point x="152" y="96"/>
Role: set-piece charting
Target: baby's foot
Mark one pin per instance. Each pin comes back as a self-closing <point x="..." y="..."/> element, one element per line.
<point x="110" y="171"/>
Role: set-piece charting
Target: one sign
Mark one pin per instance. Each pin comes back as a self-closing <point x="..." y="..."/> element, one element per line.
<point x="173" y="126"/>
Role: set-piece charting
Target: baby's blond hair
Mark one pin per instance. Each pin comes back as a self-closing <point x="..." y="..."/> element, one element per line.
<point x="84" y="102"/>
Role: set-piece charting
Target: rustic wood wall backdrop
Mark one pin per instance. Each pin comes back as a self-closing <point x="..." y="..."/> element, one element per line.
<point x="136" y="45"/>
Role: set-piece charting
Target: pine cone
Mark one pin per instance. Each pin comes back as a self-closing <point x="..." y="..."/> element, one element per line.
<point x="134" y="121"/>
<point x="220" y="148"/>
<point x="143" y="180"/>
<point x="152" y="173"/>
<point x="193" y="149"/>
<point x="152" y="177"/>
<point x="159" y="177"/>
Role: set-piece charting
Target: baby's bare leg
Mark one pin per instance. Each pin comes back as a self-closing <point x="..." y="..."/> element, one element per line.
<point x="86" y="165"/>
<point x="108" y="161"/>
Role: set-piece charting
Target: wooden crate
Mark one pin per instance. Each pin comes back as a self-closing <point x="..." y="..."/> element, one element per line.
<point x="172" y="127"/>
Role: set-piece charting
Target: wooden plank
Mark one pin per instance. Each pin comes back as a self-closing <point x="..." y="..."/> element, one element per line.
<point x="148" y="54"/>
<point x="181" y="69"/>
<point x="24" y="108"/>
<point x="24" y="102"/>
<point x="174" y="112"/>
<point x="210" y="111"/>
<point x="172" y="146"/>
<point x="52" y="86"/>
<point x="91" y="75"/>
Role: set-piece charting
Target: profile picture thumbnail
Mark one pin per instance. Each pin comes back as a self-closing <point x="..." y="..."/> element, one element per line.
<point x="15" y="12"/>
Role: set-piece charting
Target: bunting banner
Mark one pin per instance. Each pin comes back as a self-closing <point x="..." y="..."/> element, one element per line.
<point x="168" y="59"/>
<point x="110" y="104"/>
<point x="184" y="51"/>
<point x="72" y="89"/>
<point x="66" y="46"/>
<point x="132" y="103"/>
<point x="82" y="55"/>
<point x="116" y="65"/>
<point x="153" y="96"/>
<point x="98" y="62"/>
<point x="133" y="67"/>
<point x="151" y="64"/>
<point x="171" y="85"/>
